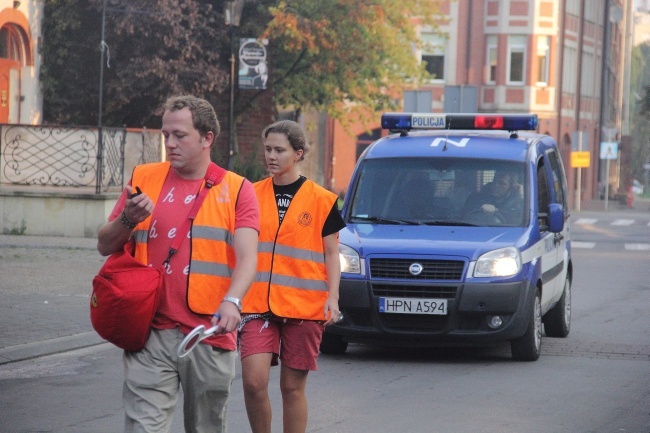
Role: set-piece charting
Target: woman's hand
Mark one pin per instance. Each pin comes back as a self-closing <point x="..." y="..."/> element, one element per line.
<point x="331" y="311"/>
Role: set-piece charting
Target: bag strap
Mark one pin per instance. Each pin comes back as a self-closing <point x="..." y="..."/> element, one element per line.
<point x="214" y="176"/>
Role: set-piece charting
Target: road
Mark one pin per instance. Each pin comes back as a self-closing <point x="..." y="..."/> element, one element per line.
<point x="597" y="380"/>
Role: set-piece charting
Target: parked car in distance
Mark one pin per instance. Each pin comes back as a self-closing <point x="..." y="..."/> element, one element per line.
<point x="435" y="254"/>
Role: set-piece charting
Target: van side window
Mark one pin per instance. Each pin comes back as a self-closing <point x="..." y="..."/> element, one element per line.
<point x="542" y="191"/>
<point x="556" y="170"/>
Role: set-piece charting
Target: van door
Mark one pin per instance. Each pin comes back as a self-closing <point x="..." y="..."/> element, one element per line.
<point x="558" y="190"/>
<point x="551" y="262"/>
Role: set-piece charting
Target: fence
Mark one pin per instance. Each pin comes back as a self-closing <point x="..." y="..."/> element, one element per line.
<point x="58" y="156"/>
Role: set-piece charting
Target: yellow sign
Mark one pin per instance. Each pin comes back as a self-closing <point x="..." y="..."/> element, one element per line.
<point x="580" y="159"/>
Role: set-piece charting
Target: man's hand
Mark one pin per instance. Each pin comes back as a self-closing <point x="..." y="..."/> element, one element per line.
<point x="227" y="317"/>
<point x="138" y="206"/>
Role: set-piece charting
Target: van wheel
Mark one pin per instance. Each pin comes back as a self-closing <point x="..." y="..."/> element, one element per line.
<point x="333" y="344"/>
<point x="557" y="322"/>
<point x="528" y="346"/>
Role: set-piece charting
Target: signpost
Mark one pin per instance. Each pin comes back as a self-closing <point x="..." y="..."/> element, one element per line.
<point x="579" y="159"/>
<point x="608" y="151"/>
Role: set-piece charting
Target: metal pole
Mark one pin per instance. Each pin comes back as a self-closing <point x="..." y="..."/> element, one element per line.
<point x="100" y="138"/>
<point x="604" y="94"/>
<point x="606" y="184"/>
<point x="579" y="180"/>
<point x="231" y="120"/>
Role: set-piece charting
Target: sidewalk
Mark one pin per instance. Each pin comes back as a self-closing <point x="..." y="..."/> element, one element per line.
<point x="639" y="205"/>
<point x="45" y="285"/>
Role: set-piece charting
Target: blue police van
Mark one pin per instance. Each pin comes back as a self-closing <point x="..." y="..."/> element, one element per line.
<point x="458" y="233"/>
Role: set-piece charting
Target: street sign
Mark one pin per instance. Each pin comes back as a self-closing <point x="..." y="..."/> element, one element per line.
<point x="580" y="159"/>
<point x="253" y="69"/>
<point x="579" y="140"/>
<point x="608" y="150"/>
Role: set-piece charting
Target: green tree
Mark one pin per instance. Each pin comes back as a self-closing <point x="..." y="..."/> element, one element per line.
<point x="337" y="56"/>
<point x="153" y="49"/>
<point x="69" y="73"/>
<point x="640" y="109"/>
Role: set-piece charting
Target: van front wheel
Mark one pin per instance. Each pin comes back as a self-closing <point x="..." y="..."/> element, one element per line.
<point x="529" y="346"/>
<point x="557" y="322"/>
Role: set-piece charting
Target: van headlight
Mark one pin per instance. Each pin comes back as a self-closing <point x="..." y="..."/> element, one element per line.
<point x="504" y="262"/>
<point x="349" y="260"/>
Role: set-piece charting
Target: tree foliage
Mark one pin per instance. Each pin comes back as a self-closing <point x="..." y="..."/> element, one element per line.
<point x="640" y="108"/>
<point x="69" y="73"/>
<point x="341" y="55"/>
<point x="153" y="49"/>
<point x="335" y="55"/>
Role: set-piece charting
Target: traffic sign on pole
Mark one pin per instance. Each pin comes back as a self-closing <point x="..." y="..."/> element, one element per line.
<point x="608" y="150"/>
<point x="580" y="159"/>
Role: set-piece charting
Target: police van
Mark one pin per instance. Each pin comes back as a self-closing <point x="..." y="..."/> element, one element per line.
<point x="458" y="233"/>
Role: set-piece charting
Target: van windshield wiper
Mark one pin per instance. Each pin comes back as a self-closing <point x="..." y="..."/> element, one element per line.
<point x="375" y="219"/>
<point x="447" y="223"/>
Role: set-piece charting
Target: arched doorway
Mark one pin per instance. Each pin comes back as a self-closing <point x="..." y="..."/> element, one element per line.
<point x="15" y="52"/>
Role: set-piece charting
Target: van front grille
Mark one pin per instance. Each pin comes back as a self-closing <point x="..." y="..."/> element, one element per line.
<point x="451" y="270"/>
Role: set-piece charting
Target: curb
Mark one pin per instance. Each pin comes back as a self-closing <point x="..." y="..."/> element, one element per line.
<point x="37" y="349"/>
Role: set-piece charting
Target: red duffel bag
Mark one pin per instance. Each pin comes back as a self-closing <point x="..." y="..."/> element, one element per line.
<point x="125" y="297"/>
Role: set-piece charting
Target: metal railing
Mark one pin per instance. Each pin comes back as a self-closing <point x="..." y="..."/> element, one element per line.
<point x="71" y="157"/>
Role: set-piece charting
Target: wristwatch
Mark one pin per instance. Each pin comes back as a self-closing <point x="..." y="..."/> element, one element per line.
<point x="235" y="301"/>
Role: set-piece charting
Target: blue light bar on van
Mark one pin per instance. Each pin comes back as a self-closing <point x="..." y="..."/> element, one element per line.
<point x="505" y="122"/>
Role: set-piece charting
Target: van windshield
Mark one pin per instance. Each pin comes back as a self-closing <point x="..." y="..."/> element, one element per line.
<point x="440" y="191"/>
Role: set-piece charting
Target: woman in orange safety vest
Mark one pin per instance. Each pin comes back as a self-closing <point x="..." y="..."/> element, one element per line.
<point x="296" y="290"/>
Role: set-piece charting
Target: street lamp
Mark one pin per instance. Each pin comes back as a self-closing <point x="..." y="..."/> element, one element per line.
<point x="232" y="11"/>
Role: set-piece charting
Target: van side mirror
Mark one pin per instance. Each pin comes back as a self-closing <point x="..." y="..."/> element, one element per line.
<point x="555" y="218"/>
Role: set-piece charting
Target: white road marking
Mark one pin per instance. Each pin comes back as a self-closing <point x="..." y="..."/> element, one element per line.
<point x="585" y="221"/>
<point x="623" y="222"/>
<point x="637" y="247"/>
<point x="583" y="245"/>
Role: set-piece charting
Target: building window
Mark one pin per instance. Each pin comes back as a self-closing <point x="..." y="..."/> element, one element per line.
<point x="491" y="67"/>
<point x="569" y="79"/>
<point x="543" y="59"/>
<point x="516" y="59"/>
<point x="434" y="48"/>
<point x="11" y="44"/>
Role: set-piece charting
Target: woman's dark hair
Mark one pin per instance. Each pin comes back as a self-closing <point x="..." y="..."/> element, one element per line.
<point x="293" y="132"/>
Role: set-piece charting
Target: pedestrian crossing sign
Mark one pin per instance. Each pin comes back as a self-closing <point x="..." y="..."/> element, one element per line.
<point x="608" y="150"/>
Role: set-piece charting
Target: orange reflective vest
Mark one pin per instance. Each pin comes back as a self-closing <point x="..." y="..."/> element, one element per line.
<point x="212" y="256"/>
<point x="291" y="279"/>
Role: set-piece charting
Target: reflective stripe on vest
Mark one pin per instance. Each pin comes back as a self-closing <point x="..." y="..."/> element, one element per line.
<point x="292" y="252"/>
<point x="296" y="283"/>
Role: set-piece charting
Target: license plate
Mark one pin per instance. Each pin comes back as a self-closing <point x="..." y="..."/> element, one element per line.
<point x="413" y="306"/>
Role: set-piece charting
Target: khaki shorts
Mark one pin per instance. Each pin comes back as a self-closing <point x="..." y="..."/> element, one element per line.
<point x="153" y="376"/>
<point x="296" y="342"/>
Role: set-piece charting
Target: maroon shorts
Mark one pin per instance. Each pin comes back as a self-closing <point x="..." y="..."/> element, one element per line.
<point x="296" y="342"/>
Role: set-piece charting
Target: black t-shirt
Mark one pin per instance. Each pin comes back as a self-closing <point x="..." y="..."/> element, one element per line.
<point x="285" y="193"/>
